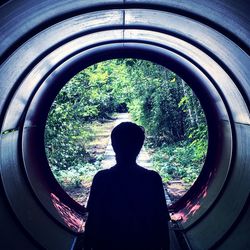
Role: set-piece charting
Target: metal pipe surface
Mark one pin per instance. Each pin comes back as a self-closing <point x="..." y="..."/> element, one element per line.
<point x="45" y="43"/>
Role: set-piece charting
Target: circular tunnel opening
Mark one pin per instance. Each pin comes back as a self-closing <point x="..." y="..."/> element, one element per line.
<point x="44" y="186"/>
<point x="94" y="101"/>
<point x="45" y="95"/>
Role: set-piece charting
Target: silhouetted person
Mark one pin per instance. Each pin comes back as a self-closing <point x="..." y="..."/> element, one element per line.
<point x="127" y="207"/>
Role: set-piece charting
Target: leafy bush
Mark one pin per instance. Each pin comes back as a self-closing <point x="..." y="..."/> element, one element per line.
<point x="182" y="160"/>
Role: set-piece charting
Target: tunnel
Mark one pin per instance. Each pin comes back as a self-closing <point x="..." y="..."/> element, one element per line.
<point x="45" y="43"/>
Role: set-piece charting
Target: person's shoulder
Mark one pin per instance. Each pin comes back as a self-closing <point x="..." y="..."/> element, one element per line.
<point x="151" y="173"/>
<point x="101" y="174"/>
<point x="155" y="174"/>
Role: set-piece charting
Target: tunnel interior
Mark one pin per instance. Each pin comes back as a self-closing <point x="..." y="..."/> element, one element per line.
<point x="53" y="40"/>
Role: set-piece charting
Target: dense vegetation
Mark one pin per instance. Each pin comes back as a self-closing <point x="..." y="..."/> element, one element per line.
<point x="155" y="97"/>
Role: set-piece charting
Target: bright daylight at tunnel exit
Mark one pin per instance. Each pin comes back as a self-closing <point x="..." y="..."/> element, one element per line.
<point x="94" y="101"/>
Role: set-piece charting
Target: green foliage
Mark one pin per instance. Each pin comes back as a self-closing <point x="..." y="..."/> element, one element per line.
<point x="157" y="94"/>
<point x="78" y="175"/>
<point x="156" y="98"/>
<point x="180" y="161"/>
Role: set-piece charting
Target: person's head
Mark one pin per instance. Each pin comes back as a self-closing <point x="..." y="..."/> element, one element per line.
<point x="127" y="139"/>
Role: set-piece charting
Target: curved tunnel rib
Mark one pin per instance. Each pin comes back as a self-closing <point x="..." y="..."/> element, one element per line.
<point x="46" y="48"/>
